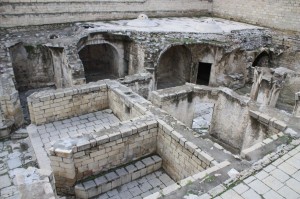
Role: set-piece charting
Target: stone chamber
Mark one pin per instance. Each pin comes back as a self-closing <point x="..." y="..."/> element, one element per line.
<point x="168" y="107"/>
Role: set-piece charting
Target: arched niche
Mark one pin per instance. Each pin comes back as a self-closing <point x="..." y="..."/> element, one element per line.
<point x="100" y="61"/>
<point x="174" y="67"/>
<point x="262" y="60"/>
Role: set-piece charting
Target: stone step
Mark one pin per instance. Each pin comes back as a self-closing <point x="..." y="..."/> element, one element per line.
<point x="117" y="177"/>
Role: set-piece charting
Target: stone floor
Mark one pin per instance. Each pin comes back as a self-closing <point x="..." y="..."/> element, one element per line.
<point x="15" y="157"/>
<point x="279" y="180"/>
<point x="75" y="126"/>
<point x="140" y="188"/>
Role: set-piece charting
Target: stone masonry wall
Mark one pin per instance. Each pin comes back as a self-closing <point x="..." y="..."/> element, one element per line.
<point x="121" y="145"/>
<point x="98" y="154"/>
<point x="283" y="14"/>
<point x="50" y="106"/>
<point x="121" y="106"/>
<point x="26" y="12"/>
<point x="181" y="158"/>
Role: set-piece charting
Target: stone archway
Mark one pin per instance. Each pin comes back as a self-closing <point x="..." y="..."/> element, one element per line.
<point x="100" y="61"/>
<point x="174" y="67"/>
<point x="262" y="60"/>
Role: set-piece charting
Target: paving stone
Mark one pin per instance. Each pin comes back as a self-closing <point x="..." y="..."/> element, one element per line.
<point x="155" y="182"/>
<point x="273" y="183"/>
<point x="126" y="195"/>
<point x="112" y="192"/>
<point x="272" y="195"/>
<point x="251" y="194"/>
<point x="240" y="188"/>
<point x="132" y="184"/>
<point x="279" y="175"/>
<point x="9" y="191"/>
<point x="165" y="178"/>
<point x="297" y="175"/>
<point x="259" y="187"/>
<point x="135" y="191"/>
<point x="203" y="196"/>
<point x="14" y="163"/>
<point x="287" y="168"/>
<point x="261" y="175"/>
<point x="230" y="194"/>
<point x="288" y="193"/>
<point x="294" y="184"/>
<point x="145" y="187"/>
<point x="217" y="190"/>
<point x="249" y="179"/>
<point x="115" y="197"/>
<point x="294" y="162"/>
<point x="269" y="168"/>
<point x="5" y="181"/>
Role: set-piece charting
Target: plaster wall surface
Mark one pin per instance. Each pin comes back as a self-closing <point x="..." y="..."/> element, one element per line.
<point x="284" y="14"/>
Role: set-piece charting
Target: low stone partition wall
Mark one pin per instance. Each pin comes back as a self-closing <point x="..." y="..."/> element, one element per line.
<point x="50" y="106"/>
<point x="78" y="158"/>
<point x="266" y="120"/>
<point x="181" y="158"/>
<point x="54" y="105"/>
<point x="10" y="107"/>
<point x="117" y="177"/>
<point x="186" y="103"/>
<point x="122" y="101"/>
<point x="263" y="148"/>
<point x="139" y="83"/>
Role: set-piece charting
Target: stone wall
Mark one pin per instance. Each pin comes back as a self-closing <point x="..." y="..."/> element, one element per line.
<point x="181" y="158"/>
<point x="82" y="157"/>
<point x="32" y="65"/>
<point x="49" y="106"/>
<point x="121" y="105"/>
<point x="238" y="132"/>
<point x="25" y="12"/>
<point x="10" y="107"/>
<point x="90" y="156"/>
<point x="282" y="14"/>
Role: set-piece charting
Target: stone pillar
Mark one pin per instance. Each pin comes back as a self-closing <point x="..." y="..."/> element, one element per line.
<point x="266" y="86"/>
<point x="63" y="166"/>
<point x="10" y="106"/>
<point x="296" y="112"/>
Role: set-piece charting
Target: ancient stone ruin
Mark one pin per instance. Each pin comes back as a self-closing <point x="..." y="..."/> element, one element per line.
<point x="149" y="99"/>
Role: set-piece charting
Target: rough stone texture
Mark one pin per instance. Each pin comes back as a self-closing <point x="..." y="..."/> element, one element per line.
<point x="49" y="106"/>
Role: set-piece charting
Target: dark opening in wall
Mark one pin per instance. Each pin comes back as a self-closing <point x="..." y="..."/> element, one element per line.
<point x="100" y="61"/>
<point x="262" y="60"/>
<point x="203" y="73"/>
<point x="174" y="67"/>
<point x="33" y="71"/>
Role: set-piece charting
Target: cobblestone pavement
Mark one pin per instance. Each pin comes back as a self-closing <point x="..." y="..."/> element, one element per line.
<point x="140" y="188"/>
<point x="75" y="126"/>
<point x="281" y="179"/>
<point x="15" y="156"/>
